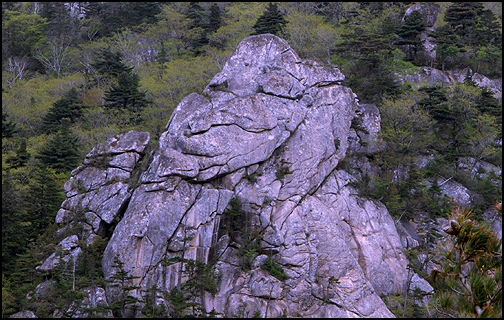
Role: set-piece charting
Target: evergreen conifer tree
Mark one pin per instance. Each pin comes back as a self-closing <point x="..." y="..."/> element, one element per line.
<point x="110" y="64"/>
<point x="435" y="103"/>
<point x="411" y="28"/>
<point x="214" y="19"/>
<point x="42" y="202"/>
<point x="21" y="158"/>
<point x="447" y="44"/>
<point x="70" y="106"/>
<point x="121" y="279"/>
<point x="198" y="27"/>
<point x="125" y="96"/>
<point x="14" y="225"/>
<point x="271" y="21"/>
<point x="488" y="30"/>
<point x="462" y="17"/>
<point x="162" y="56"/>
<point x="8" y="127"/>
<point x="488" y="104"/>
<point x="61" y="153"/>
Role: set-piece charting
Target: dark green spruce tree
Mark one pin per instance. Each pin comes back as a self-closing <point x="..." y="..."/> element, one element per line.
<point x="70" y="106"/>
<point x="487" y="30"/>
<point x="448" y="44"/>
<point x="14" y="225"/>
<point x="61" y="153"/>
<point x="488" y="104"/>
<point x="369" y="76"/>
<point x="271" y="21"/>
<point x="8" y="127"/>
<point x="21" y="158"/>
<point x="195" y="14"/>
<point x="436" y="103"/>
<point x="463" y="18"/>
<point x="110" y="64"/>
<point x="42" y="201"/>
<point x="409" y="31"/>
<point x="125" y="96"/>
<point x="214" y="19"/>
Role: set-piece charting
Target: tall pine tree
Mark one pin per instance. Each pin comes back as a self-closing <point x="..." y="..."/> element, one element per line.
<point x="61" y="153"/>
<point x="8" y="127"/>
<point x="447" y="44"/>
<point x="21" y="158"/>
<point x="110" y="64"/>
<point x="214" y="19"/>
<point x="197" y="27"/>
<point x="409" y="31"/>
<point x="14" y="224"/>
<point x="42" y="202"/>
<point x="70" y="106"/>
<point x="125" y="96"/>
<point x="271" y="21"/>
<point x="463" y="18"/>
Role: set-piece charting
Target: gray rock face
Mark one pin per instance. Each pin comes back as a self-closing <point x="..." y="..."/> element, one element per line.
<point x="269" y="130"/>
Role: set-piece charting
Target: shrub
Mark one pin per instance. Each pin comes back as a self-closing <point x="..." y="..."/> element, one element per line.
<point x="274" y="269"/>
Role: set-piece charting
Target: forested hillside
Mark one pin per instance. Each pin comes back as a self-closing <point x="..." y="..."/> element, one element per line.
<point x="75" y="74"/>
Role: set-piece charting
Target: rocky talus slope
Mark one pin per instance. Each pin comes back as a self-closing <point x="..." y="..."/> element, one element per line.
<point x="267" y="133"/>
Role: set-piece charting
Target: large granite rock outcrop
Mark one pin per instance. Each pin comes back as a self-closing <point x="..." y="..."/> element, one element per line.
<point x="269" y="130"/>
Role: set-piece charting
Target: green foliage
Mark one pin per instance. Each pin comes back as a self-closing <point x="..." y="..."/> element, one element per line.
<point x="185" y="296"/>
<point x="8" y="127"/>
<point x="369" y="75"/>
<point x="70" y="106"/>
<point x="122" y="280"/>
<point x="14" y="224"/>
<point x="42" y="201"/>
<point x="151" y="310"/>
<point x="469" y="277"/>
<point x="167" y="44"/>
<point x="109" y="63"/>
<point x="61" y="153"/>
<point x="214" y="19"/>
<point x="396" y="304"/>
<point x="252" y="177"/>
<point x="21" y="158"/>
<point x="274" y="269"/>
<point x="410" y="30"/>
<point x="125" y="97"/>
<point x="311" y="36"/>
<point x="283" y="170"/>
<point x="21" y="34"/>
<point x="237" y="224"/>
<point x="272" y="21"/>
